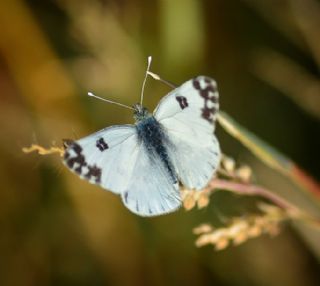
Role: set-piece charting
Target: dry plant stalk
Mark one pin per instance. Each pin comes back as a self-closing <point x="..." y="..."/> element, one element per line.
<point x="43" y="151"/>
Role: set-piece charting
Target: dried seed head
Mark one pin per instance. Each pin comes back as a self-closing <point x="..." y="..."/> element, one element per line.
<point x="189" y="200"/>
<point x="241" y="229"/>
<point x="221" y="244"/>
<point x="228" y="164"/>
<point x="244" y="173"/>
<point x="203" y="200"/>
<point x="203" y="228"/>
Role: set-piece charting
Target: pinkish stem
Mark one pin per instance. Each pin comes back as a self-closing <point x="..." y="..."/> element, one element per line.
<point x="246" y="189"/>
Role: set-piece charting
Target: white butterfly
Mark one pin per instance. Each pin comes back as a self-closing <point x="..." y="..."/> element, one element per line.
<point x="145" y="162"/>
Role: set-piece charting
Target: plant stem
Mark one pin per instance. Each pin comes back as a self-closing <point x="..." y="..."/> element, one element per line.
<point x="254" y="190"/>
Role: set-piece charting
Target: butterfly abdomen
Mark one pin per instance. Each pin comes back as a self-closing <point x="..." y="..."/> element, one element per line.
<point x="152" y="136"/>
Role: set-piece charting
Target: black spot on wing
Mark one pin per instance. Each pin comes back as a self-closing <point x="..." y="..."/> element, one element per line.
<point x="76" y="161"/>
<point x="78" y="170"/>
<point x="209" y="93"/>
<point x="207" y="80"/>
<point x="196" y="84"/>
<point x="207" y="113"/>
<point x="93" y="173"/>
<point x="101" y="144"/>
<point x="182" y="102"/>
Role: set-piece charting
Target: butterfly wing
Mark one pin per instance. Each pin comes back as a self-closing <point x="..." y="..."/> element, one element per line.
<point x="104" y="158"/>
<point x="115" y="159"/>
<point x="188" y="115"/>
<point x="151" y="190"/>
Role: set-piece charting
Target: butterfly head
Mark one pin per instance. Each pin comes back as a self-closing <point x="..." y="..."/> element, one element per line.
<point x="140" y="112"/>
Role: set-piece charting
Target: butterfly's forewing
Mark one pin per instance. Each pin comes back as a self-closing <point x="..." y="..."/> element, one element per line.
<point x="116" y="160"/>
<point x="188" y="115"/>
<point x="105" y="158"/>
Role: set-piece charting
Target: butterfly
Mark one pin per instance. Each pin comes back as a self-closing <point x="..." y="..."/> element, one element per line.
<point x="145" y="162"/>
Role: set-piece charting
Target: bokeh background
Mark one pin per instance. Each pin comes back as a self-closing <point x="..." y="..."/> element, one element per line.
<point x="58" y="230"/>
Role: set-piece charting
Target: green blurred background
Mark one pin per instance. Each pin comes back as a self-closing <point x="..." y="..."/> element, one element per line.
<point x="56" y="229"/>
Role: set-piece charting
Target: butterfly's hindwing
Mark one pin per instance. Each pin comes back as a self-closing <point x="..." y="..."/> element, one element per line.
<point x="151" y="190"/>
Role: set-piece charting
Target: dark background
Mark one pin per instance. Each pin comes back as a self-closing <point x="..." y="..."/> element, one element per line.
<point x="58" y="230"/>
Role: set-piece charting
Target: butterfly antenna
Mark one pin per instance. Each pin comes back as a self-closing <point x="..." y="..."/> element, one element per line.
<point x="145" y="79"/>
<point x="110" y="101"/>
<point x="157" y="77"/>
